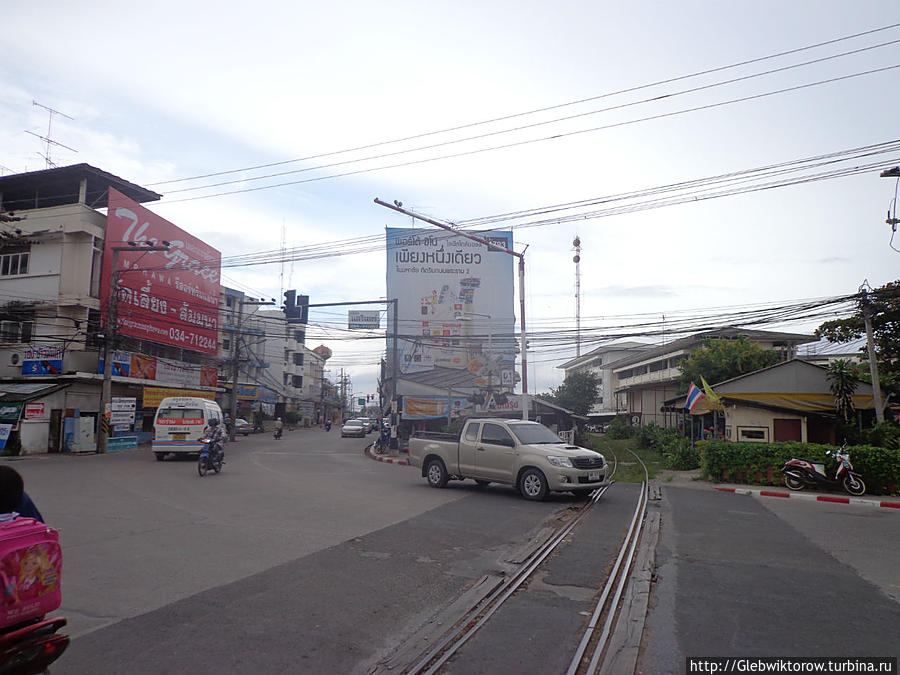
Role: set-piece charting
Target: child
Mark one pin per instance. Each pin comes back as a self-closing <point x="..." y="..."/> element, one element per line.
<point x="13" y="499"/>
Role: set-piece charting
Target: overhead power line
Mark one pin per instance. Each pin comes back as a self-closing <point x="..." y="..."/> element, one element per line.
<point x="537" y="110"/>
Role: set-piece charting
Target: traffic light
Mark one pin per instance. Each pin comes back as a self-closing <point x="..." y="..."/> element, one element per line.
<point x="290" y="306"/>
<point x="303" y="308"/>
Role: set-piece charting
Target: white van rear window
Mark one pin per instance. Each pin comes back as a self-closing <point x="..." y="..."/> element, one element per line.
<point x="179" y="416"/>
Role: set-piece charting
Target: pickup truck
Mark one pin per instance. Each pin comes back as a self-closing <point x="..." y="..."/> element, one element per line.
<point x="520" y="453"/>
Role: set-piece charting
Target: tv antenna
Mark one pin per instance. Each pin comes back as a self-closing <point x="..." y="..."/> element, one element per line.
<point x="47" y="140"/>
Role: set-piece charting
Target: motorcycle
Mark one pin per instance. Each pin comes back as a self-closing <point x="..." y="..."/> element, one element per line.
<point x="30" y="648"/>
<point x="212" y="457"/>
<point x="802" y="473"/>
<point x="277" y="434"/>
<point x="327" y="425"/>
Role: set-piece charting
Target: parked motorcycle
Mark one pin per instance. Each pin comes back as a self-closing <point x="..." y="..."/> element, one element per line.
<point x="802" y="473"/>
<point x="212" y="457"/>
<point x="30" y="648"/>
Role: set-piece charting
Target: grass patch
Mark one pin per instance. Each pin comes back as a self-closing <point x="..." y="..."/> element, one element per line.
<point x="629" y="470"/>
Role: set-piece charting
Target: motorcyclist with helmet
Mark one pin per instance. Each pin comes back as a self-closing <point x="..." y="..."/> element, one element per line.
<point x="216" y="434"/>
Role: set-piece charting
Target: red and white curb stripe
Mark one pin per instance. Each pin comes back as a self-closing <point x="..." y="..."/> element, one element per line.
<point x="387" y="460"/>
<point x="812" y="497"/>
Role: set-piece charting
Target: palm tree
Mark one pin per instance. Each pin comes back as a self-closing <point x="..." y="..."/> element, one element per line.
<point x="842" y="382"/>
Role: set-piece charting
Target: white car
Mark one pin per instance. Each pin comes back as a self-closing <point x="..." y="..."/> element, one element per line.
<point x="356" y="428"/>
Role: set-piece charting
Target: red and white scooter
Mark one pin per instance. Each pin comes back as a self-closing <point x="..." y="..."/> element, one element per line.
<point x="802" y="473"/>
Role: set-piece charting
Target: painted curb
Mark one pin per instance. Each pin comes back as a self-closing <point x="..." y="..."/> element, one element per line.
<point x="811" y="497"/>
<point x="387" y="460"/>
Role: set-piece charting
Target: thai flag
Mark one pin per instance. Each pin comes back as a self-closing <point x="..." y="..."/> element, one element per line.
<point x="693" y="396"/>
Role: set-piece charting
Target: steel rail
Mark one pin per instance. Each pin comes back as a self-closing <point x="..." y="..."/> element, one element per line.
<point x="478" y="616"/>
<point x="618" y="578"/>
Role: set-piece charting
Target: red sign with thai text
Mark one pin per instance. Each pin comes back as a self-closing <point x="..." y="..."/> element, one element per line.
<point x="165" y="296"/>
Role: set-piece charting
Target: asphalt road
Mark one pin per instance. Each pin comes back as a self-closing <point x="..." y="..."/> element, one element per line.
<point x="742" y="576"/>
<point x="304" y="556"/>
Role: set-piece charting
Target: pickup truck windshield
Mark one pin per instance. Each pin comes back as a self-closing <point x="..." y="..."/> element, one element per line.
<point x="531" y="434"/>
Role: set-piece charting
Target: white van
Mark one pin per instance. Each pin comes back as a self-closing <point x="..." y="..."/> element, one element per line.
<point x="179" y="423"/>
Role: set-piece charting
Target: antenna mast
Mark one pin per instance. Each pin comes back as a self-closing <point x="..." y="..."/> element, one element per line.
<point x="47" y="140"/>
<point x="577" y="260"/>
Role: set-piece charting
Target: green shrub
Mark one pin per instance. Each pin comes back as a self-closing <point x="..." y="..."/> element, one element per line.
<point x="619" y="429"/>
<point x="291" y="417"/>
<point x="680" y="454"/>
<point x="722" y="460"/>
<point x="884" y="435"/>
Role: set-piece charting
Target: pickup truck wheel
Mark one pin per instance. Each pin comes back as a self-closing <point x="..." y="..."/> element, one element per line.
<point x="436" y="473"/>
<point x="533" y="485"/>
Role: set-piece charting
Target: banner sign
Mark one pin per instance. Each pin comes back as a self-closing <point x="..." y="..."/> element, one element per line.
<point x="165" y="296"/>
<point x="153" y="395"/>
<point x="363" y="320"/>
<point x="4" y="434"/>
<point x="144" y="367"/>
<point x="456" y="296"/>
<point x="10" y="412"/>
<point x="121" y="443"/>
<point x="35" y="411"/>
<point x="42" y="360"/>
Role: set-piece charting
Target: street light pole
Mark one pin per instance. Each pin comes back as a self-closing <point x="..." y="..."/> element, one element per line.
<point x="111" y="330"/>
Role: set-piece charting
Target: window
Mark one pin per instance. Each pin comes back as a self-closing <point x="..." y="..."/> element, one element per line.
<point x="96" y="266"/>
<point x="226" y="345"/>
<point x="300" y="336"/>
<point x="659" y="365"/>
<point x="298" y="359"/>
<point x="753" y="434"/>
<point x="16" y="331"/>
<point x="13" y="263"/>
<point x="93" y="329"/>
<point x="297" y="381"/>
<point x="496" y="435"/>
<point x="472" y="432"/>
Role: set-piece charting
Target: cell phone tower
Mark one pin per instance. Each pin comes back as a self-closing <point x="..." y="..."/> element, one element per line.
<point x="577" y="260"/>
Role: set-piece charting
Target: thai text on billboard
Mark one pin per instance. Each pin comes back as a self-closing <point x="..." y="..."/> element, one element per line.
<point x="165" y="296"/>
<point x="454" y="301"/>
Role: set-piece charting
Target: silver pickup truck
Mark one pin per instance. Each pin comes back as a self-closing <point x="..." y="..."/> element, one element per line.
<point x="524" y="454"/>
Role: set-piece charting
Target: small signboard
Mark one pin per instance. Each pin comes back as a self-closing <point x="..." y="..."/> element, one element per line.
<point x="4" y="434"/>
<point x="35" y="411"/>
<point x="364" y="320"/>
<point x="121" y="443"/>
<point x="117" y="417"/>
<point x="123" y="404"/>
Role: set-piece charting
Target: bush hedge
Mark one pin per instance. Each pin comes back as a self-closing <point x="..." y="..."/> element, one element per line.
<point x="762" y="462"/>
<point x="678" y="452"/>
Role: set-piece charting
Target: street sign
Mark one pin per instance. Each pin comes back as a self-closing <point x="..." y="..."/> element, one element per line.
<point x="117" y="417"/>
<point x="122" y="404"/>
<point x="365" y="320"/>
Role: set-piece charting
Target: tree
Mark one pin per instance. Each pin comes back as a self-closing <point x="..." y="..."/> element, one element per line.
<point x="842" y="382"/>
<point x="577" y="393"/>
<point x="884" y="305"/>
<point x="721" y="359"/>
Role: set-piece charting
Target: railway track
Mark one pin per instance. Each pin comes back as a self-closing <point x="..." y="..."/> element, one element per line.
<point x="594" y="645"/>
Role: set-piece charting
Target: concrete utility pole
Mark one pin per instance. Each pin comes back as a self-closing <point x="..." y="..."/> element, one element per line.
<point x="867" y="312"/>
<point x="235" y="357"/>
<point x="111" y="332"/>
<point x="521" y="257"/>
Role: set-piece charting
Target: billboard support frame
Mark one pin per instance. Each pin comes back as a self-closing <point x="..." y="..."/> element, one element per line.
<point x="398" y="206"/>
<point x="106" y="387"/>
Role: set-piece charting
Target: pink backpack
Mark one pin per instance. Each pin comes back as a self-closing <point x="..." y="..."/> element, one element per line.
<point x="30" y="570"/>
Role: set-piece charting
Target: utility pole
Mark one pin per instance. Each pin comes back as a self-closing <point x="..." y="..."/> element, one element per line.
<point x="867" y="312"/>
<point x="235" y="358"/>
<point x="480" y="240"/>
<point x="111" y="331"/>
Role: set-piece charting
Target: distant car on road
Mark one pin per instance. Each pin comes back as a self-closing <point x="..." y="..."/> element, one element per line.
<point x="370" y="423"/>
<point x="242" y="426"/>
<point x="356" y="428"/>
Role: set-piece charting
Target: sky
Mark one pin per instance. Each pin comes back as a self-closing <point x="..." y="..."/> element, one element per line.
<point x="166" y="91"/>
